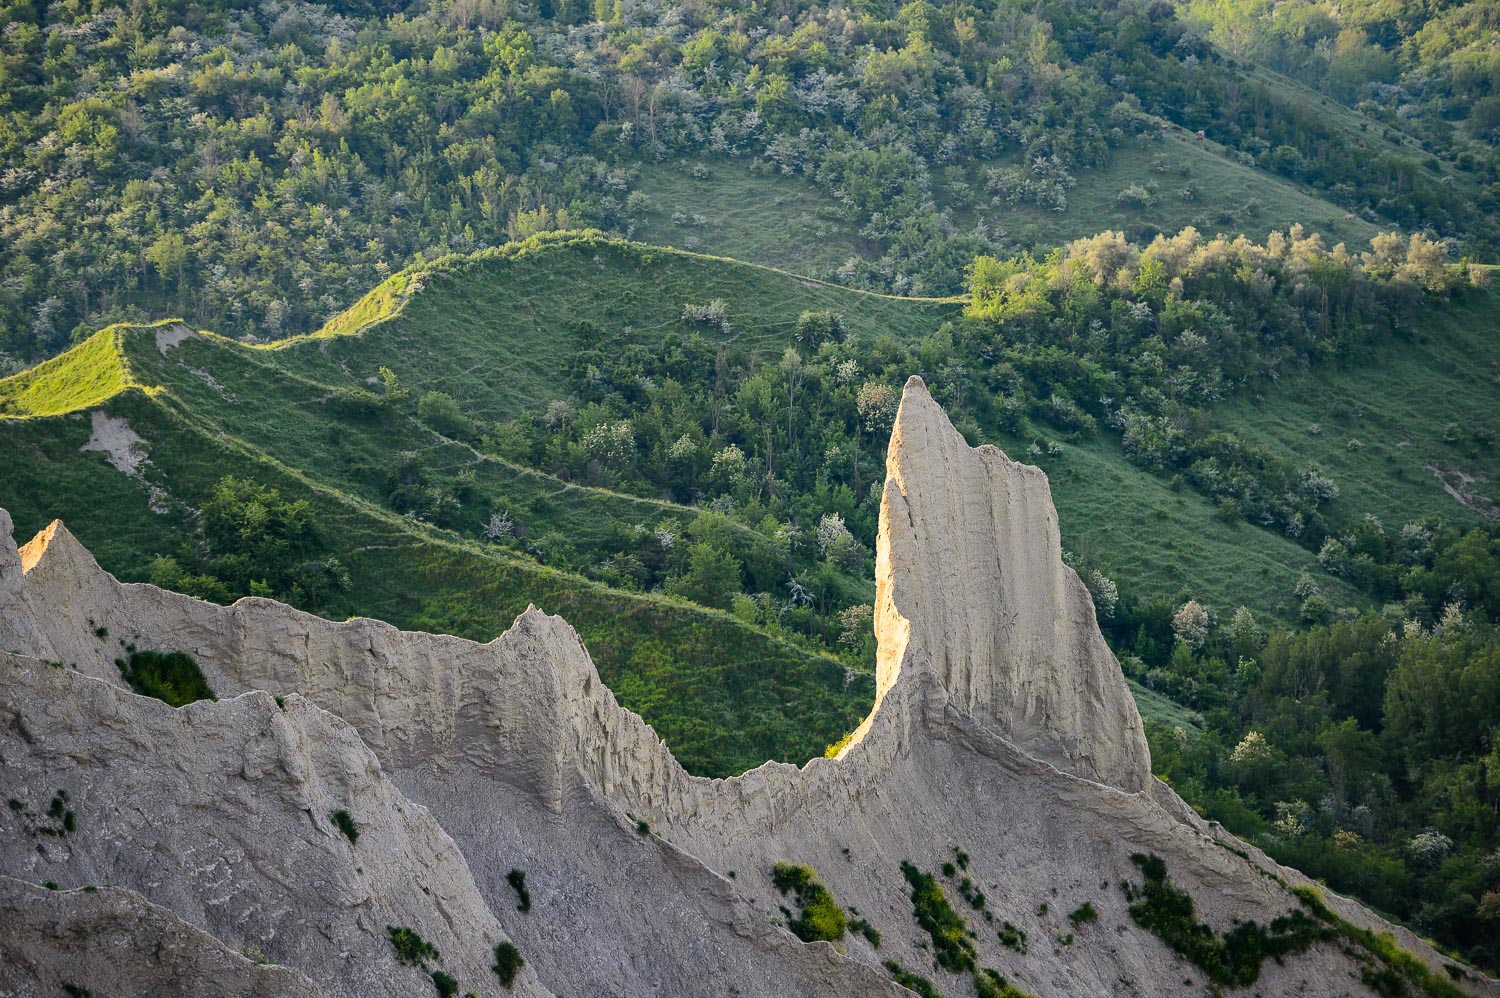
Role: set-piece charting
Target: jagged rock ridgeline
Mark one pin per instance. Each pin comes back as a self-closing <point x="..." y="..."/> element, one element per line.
<point x="1002" y="730"/>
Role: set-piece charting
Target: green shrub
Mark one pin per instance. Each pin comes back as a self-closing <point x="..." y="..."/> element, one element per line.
<point x="951" y="945"/>
<point x="346" y="824"/>
<point x="910" y="981"/>
<point x="411" y="948"/>
<point x="1235" y="958"/>
<point x="171" y="677"/>
<point x="508" y="963"/>
<point x="1084" y="913"/>
<point x="821" y="916"/>
<point x="992" y="984"/>
<point x="446" y="986"/>
<point x="517" y="879"/>
<point x="867" y="930"/>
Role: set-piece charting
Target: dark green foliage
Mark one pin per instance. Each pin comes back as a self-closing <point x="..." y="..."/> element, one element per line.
<point x="346" y="824"/>
<point x="508" y="963"/>
<point x="171" y="677"/>
<point x="411" y="948"/>
<point x="642" y="826"/>
<point x="867" y="930"/>
<point x="1013" y="937"/>
<point x="1084" y="913"/>
<point x="992" y="984"/>
<point x="952" y="947"/>
<point x="821" y="917"/>
<point x="75" y="990"/>
<point x="446" y="986"/>
<point x="910" y="981"/>
<point x="1232" y="959"/>
<point x="517" y="880"/>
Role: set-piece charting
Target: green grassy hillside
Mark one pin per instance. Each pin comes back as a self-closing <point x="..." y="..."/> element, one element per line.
<point x="1393" y="429"/>
<point x="496" y="331"/>
<point x="727" y="207"/>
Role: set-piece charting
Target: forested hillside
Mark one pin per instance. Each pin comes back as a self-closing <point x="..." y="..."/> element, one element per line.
<point x="255" y="168"/>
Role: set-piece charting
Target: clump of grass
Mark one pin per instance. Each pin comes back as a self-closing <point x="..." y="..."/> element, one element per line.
<point x="910" y="981"/>
<point x="1013" y="937"/>
<point x="346" y="824"/>
<point x="992" y="984"/>
<point x="508" y="963"/>
<point x="951" y="945"/>
<point x="821" y="916"/>
<point x="171" y="677"/>
<point x="517" y="880"/>
<point x="1085" y="912"/>
<point x="867" y="930"/>
<point x="411" y="948"/>
<point x="446" y="986"/>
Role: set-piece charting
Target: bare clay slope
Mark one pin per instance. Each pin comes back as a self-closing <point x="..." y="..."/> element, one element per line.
<point x="1003" y="729"/>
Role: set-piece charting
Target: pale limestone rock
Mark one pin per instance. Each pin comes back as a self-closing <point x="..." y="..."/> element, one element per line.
<point x="125" y="947"/>
<point x="1002" y="727"/>
<point x="970" y="584"/>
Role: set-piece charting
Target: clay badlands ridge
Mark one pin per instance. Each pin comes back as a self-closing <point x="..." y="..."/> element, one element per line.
<point x="202" y="857"/>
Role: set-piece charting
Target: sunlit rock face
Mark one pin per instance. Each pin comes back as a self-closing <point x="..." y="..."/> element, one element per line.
<point x="1002" y="728"/>
<point x="970" y="584"/>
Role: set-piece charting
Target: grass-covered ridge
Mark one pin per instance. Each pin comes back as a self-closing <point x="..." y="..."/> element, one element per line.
<point x="85" y="376"/>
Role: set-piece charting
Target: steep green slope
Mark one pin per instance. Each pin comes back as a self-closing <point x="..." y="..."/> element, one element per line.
<point x="495" y="333"/>
<point x="85" y="376"/>
<point x="496" y="330"/>
<point x="1393" y="431"/>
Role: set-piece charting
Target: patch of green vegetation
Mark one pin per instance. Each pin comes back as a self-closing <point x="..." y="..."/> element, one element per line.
<point x="411" y="949"/>
<point x="508" y="963"/>
<point x="867" y="930"/>
<point x="756" y="215"/>
<point x="517" y="881"/>
<point x="1184" y="181"/>
<point x="911" y="981"/>
<point x="1013" y="937"/>
<point x="445" y="984"/>
<point x="1399" y="968"/>
<point x="1399" y="434"/>
<point x="1084" y="913"/>
<point x="1231" y="959"/>
<point x="346" y="824"/>
<point x="952" y="947"/>
<point x="174" y="677"/>
<point x="820" y="918"/>
<point x="524" y="303"/>
<point x="992" y="984"/>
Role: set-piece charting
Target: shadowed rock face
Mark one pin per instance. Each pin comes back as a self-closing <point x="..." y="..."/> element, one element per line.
<point x="970" y="584"/>
<point x="1002" y="728"/>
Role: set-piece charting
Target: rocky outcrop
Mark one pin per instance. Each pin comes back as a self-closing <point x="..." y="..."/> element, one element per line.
<point x="1002" y="728"/>
<point x="970" y="584"/>
<point x="124" y="946"/>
